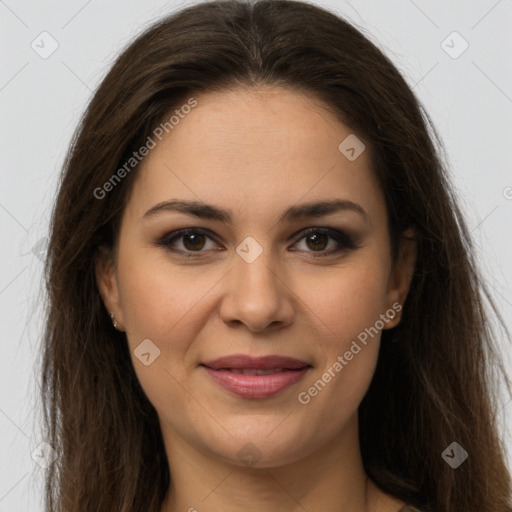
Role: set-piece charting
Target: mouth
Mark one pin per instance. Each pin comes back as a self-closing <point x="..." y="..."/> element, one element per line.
<point x="250" y="377"/>
<point x="249" y="371"/>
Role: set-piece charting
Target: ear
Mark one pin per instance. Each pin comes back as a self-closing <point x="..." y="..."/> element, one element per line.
<point x="106" y="281"/>
<point x="401" y="275"/>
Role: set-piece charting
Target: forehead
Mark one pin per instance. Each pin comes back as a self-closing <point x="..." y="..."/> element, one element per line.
<point x="256" y="150"/>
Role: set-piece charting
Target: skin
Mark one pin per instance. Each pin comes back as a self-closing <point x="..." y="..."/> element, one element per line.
<point x="256" y="152"/>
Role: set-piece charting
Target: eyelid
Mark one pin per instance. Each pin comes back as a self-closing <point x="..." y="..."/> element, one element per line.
<point x="345" y="241"/>
<point x="167" y="239"/>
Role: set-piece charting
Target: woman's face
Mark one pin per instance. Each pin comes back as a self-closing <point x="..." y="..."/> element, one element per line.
<point x="250" y="280"/>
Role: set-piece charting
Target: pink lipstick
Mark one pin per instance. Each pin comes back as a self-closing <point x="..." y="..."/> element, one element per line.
<point x="256" y="377"/>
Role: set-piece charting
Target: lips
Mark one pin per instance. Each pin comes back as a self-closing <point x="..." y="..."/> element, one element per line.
<point x="252" y="371"/>
<point x="243" y="362"/>
<point x="256" y="377"/>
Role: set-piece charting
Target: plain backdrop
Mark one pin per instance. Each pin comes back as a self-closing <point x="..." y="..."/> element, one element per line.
<point x="463" y="79"/>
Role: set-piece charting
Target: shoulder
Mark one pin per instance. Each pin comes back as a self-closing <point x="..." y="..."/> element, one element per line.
<point x="407" y="508"/>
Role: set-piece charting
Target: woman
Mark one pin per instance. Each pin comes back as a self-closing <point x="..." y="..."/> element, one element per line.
<point x="262" y="292"/>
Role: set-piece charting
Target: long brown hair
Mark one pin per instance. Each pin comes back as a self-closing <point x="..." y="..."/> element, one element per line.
<point x="434" y="383"/>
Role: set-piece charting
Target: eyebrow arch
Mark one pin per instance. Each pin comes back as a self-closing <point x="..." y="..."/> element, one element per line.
<point x="294" y="213"/>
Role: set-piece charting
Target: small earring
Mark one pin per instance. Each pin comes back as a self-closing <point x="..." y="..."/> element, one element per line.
<point x="113" y="318"/>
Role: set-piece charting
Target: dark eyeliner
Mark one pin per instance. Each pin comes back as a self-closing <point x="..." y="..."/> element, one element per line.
<point x="344" y="241"/>
<point x="167" y="240"/>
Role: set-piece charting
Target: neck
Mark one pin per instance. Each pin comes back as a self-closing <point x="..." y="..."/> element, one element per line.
<point x="330" y="478"/>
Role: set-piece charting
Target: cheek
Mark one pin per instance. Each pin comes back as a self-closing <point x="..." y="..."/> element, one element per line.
<point x="157" y="297"/>
<point x="167" y="311"/>
<point x="348" y="307"/>
<point x="163" y="305"/>
<point x="348" y="300"/>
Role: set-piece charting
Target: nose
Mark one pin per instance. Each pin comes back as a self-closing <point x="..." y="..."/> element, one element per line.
<point x="256" y="296"/>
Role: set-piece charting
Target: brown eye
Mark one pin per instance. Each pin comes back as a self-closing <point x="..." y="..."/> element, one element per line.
<point x="317" y="241"/>
<point x="321" y="241"/>
<point x="326" y="241"/>
<point x="193" y="242"/>
<point x="188" y="241"/>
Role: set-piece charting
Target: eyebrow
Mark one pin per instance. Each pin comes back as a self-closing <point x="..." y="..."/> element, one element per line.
<point x="294" y="213"/>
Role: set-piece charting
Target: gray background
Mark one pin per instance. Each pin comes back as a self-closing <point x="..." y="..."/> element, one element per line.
<point x="468" y="97"/>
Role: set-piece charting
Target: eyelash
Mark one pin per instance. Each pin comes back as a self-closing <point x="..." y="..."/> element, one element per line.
<point x="344" y="241"/>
